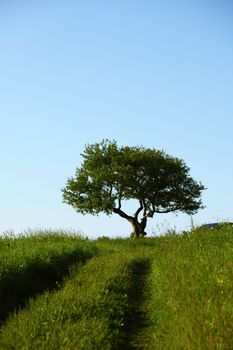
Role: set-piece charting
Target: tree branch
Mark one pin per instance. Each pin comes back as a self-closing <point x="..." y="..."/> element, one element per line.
<point x="166" y="211"/>
<point x="110" y="193"/>
<point x="152" y="211"/>
<point x="143" y="222"/>
<point x="123" y="214"/>
<point x="138" y="211"/>
<point x="119" y="203"/>
<point x="144" y="205"/>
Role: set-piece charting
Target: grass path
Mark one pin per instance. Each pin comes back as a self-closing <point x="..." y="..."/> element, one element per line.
<point x="98" y="308"/>
<point x="138" y="313"/>
<point x="172" y="293"/>
<point x="32" y="264"/>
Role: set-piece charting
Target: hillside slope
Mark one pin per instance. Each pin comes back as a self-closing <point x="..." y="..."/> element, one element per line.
<point x="171" y="292"/>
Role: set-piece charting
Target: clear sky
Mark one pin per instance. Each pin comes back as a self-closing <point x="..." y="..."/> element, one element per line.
<point x="152" y="73"/>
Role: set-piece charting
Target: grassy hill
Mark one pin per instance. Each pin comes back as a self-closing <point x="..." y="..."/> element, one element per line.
<point x="60" y="291"/>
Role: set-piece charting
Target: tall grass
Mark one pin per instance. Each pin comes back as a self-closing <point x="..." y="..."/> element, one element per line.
<point x="191" y="305"/>
<point x="31" y="263"/>
<point x="91" y="311"/>
<point x="172" y="292"/>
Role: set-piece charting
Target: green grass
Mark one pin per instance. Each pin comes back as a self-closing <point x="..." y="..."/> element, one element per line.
<point x="89" y="312"/>
<point x="32" y="263"/>
<point x="171" y="292"/>
<point x="192" y="292"/>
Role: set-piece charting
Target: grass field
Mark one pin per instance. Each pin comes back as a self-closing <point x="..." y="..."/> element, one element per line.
<point x="60" y="291"/>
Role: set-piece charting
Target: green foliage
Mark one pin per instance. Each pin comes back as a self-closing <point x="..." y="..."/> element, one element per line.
<point x="110" y="174"/>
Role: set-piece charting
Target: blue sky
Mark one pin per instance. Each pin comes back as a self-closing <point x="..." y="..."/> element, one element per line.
<point x="151" y="73"/>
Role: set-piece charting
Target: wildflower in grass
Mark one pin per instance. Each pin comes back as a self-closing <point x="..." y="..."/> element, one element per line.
<point x="220" y="281"/>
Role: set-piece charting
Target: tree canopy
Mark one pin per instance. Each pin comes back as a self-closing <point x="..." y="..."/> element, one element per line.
<point x="110" y="174"/>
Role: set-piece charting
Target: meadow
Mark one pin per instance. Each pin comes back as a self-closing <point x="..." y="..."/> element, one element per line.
<point x="62" y="291"/>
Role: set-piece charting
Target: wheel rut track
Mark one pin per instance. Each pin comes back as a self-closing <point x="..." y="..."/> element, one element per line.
<point x="137" y="319"/>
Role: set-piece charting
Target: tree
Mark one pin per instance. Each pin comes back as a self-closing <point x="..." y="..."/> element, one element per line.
<point x="110" y="175"/>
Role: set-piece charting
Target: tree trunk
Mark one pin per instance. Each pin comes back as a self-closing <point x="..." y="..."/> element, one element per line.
<point x="138" y="228"/>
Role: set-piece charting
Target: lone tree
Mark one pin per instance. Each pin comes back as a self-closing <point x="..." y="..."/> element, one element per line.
<point x="110" y="175"/>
